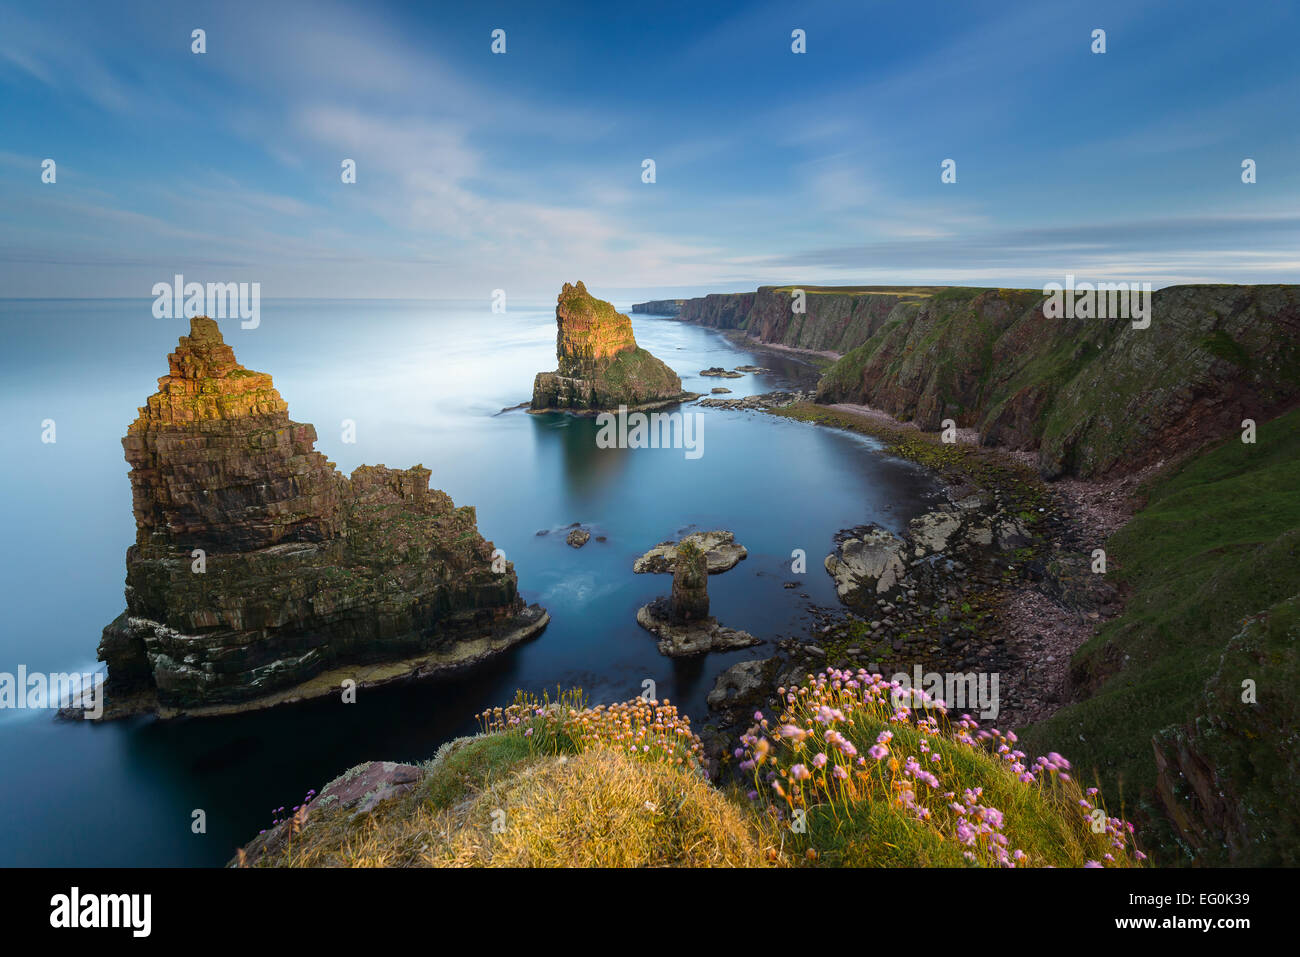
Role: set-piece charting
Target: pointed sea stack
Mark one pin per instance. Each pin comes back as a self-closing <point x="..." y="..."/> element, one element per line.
<point x="260" y="574"/>
<point x="601" y="366"/>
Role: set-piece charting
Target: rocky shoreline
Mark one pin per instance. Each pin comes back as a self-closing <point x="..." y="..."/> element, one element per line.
<point x="993" y="580"/>
<point x="443" y="663"/>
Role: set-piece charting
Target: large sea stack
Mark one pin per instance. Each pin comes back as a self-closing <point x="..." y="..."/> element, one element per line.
<point x="601" y="366"/>
<point x="260" y="574"/>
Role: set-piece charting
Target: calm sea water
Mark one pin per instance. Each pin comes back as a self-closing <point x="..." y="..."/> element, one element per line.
<point x="424" y="382"/>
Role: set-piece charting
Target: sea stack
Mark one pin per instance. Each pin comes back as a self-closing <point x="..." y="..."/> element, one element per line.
<point x="682" y="622"/>
<point x="601" y="366"/>
<point x="260" y="574"/>
<point x="690" y="595"/>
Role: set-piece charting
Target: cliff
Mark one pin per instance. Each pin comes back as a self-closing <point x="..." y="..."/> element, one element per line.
<point x="600" y="365"/>
<point x="660" y="307"/>
<point x="261" y="574"/>
<point x="1090" y="397"/>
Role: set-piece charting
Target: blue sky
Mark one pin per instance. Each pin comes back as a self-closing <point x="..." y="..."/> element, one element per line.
<point x="478" y="171"/>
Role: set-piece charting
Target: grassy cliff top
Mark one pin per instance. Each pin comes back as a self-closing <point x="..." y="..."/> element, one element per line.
<point x="844" y="776"/>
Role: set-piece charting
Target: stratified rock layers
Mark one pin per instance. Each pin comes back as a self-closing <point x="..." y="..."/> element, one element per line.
<point x="257" y="566"/>
<point x="600" y="365"/>
<point x="1090" y="397"/>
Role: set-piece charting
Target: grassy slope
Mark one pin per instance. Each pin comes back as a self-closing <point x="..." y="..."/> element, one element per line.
<point x="1216" y="543"/>
<point x="563" y="790"/>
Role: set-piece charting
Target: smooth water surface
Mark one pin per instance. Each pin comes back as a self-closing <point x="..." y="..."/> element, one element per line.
<point x="424" y="382"/>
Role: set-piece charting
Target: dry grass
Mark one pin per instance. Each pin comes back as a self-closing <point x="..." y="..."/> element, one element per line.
<point x="598" y="808"/>
<point x="871" y="783"/>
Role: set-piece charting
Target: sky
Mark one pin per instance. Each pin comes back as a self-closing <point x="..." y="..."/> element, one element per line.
<point x="478" y="171"/>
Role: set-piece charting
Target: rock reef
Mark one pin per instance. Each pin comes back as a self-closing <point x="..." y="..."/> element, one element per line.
<point x="260" y="574"/>
<point x="600" y="365"/>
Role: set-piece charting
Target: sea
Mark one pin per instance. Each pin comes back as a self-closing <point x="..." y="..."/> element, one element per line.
<point x="397" y="383"/>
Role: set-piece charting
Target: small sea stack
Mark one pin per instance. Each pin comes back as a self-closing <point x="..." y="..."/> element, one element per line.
<point x="682" y="622"/>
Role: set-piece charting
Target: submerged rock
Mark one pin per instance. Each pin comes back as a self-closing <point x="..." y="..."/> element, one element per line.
<point x="260" y="574"/>
<point x="720" y="550"/>
<point x="718" y="372"/>
<point x="600" y="365"/>
<point x="768" y="400"/>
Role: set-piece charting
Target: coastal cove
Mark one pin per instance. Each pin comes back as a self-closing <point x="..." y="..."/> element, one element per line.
<point x="433" y="383"/>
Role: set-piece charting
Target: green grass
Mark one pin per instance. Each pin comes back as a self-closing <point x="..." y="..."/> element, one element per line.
<point x="1218" y="541"/>
<point x="564" y="784"/>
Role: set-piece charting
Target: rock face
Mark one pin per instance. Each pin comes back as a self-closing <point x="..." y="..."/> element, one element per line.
<point x="721" y="553"/>
<point x="744" y="686"/>
<point x="258" y="568"/>
<point x="1091" y="397"/>
<point x="601" y="367"/>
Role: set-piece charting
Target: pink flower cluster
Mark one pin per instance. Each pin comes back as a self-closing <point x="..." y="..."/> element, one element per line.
<point x="810" y="756"/>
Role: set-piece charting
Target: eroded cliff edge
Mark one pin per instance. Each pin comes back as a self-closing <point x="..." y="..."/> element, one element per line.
<point x="1090" y="397"/>
<point x="260" y="574"/>
<point x="600" y="365"/>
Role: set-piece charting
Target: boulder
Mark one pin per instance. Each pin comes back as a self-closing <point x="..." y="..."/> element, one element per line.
<point x="743" y="686"/>
<point x="872" y="564"/>
<point x="931" y="532"/>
